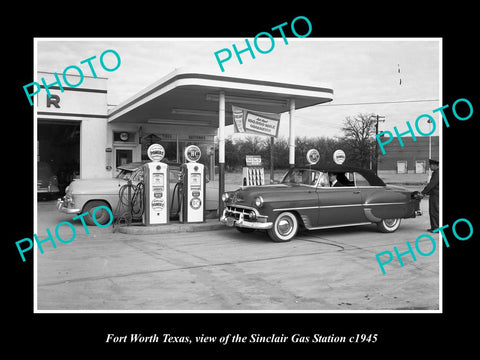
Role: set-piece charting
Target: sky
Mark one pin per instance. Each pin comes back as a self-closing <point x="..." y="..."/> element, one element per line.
<point x="363" y="73"/>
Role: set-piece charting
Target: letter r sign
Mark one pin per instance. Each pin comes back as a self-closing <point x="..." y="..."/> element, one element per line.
<point x="53" y="100"/>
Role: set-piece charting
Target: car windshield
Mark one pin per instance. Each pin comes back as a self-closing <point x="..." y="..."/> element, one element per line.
<point x="125" y="174"/>
<point x="302" y="177"/>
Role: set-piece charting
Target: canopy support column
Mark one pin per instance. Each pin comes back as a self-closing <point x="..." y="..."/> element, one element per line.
<point x="291" y="134"/>
<point x="221" y="150"/>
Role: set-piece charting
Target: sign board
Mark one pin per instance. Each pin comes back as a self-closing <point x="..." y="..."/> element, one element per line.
<point x="192" y="153"/>
<point x="156" y="152"/>
<point x="88" y="99"/>
<point x="313" y="156"/>
<point x="253" y="160"/>
<point x="237" y="114"/>
<point x="339" y="157"/>
<point x="255" y="122"/>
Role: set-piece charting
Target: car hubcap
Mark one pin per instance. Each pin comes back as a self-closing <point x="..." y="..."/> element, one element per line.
<point x="390" y="222"/>
<point x="100" y="215"/>
<point x="285" y="226"/>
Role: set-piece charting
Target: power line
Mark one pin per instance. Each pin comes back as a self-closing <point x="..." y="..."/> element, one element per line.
<point x="378" y="118"/>
<point x="336" y="124"/>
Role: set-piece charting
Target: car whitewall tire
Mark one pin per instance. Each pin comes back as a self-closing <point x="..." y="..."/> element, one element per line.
<point x="101" y="216"/>
<point x="284" y="228"/>
<point x="388" y="225"/>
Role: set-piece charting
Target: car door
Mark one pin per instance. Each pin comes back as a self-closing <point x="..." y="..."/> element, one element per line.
<point x="340" y="205"/>
<point x="298" y="194"/>
<point x="305" y="201"/>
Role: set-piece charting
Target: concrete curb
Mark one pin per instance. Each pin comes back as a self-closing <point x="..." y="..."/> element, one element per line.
<point x="174" y="227"/>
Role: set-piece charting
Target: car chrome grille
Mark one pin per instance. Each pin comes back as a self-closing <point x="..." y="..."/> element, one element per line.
<point x="235" y="211"/>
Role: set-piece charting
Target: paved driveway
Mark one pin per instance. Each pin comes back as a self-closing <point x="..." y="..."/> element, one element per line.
<point x="226" y="270"/>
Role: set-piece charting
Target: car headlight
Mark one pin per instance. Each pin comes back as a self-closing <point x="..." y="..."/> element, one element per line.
<point x="68" y="197"/>
<point x="69" y="202"/>
<point x="225" y="197"/>
<point x="258" y="201"/>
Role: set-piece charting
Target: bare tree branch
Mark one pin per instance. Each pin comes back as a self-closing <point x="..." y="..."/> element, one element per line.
<point x="359" y="137"/>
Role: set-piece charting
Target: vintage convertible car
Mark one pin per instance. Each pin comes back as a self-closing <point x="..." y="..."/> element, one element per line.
<point x="305" y="198"/>
<point x="84" y="195"/>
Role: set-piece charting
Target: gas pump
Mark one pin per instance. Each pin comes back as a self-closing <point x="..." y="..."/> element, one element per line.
<point x="192" y="187"/>
<point x="156" y="192"/>
<point x="253" y="174"/>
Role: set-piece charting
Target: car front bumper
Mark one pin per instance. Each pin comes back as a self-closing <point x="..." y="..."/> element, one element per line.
<point x="237" y="218"/>
<point x="62" y="207"/>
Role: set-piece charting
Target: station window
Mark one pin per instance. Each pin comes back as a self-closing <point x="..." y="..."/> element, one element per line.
<point x="123" y="156"/>
<point x="402" y="167"/>
<point x="169" y="146"/>
<point x="174" y="147"/>
<point x="420" y="166"/>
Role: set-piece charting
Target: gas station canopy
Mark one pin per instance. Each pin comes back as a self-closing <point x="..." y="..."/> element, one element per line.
<point x="192" y="98"/>
<point x="186" y="98"/>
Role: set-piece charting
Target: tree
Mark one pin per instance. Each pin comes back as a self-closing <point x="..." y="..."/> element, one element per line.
<point x="232" y="156"/>
<point x="236" y="150"/>
<point x="325" y="146"/>
<point x="252" y="145"/>
<point x="359" y="139"/>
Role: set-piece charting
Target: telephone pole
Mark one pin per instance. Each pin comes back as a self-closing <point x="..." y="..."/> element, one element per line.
<point x="377" y="119"/>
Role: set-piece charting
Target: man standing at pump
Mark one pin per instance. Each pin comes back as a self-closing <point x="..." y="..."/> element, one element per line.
<point x="432" y="189"/>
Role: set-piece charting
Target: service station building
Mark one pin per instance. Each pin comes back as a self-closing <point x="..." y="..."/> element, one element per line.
<point x="80" y="136"/>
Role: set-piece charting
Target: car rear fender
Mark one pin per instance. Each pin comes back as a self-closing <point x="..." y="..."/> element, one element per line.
<point x="388" y="203"/>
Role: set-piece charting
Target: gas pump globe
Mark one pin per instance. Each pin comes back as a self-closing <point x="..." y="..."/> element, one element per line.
<point x="156" y="179"/>
<point x="192" y="189"/>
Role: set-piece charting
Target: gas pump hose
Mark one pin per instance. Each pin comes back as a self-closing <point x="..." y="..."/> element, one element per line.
<point x="178" y="197"/>
<point x="127" y="208"/>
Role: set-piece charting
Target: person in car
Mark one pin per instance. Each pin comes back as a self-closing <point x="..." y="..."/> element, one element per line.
<point x="333" y="180"/>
